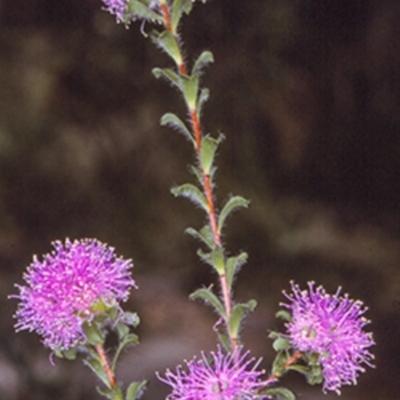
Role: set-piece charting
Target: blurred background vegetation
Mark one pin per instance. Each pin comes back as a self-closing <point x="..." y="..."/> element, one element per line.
<point x="307" y="93"/>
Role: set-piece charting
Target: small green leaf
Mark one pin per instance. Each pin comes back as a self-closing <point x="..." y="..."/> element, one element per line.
<point x="233" y="266"/>
<point x="141" y="11"/>
<point x="204" y="235"/>
<point x="130" y="318"/>
<point x="191" y="192"/>
<point x="284" y="315"/>
<point x="278" y="366"/>
<point x="231" y="205"/>
<point x="190" y="89"/>
<point x="178" y="7"/>
<point x="122" y="330"/>
<point x="312" y="359"/>
<point x="135" y="390"/>
<point x="169" y="75"/>
<point x="280" y="393"/>
<point x="70" y="354"/>
<point x="197" y="173"/>
<point x="218" y="260"/>
<point x="114" y="393"/>
<point x="274" y="335"/>
<point x="98" y="370"/>
<point x="93" y="333"/>
<point x="315" y="377"/>
<point x="208" y="148"/>
<point x="215" y="258"/>
<point x="302" y="369"/>
<point x="205" y="58"/>
<point x="281" y="343"/>
<point x="224" y="340"/>
<point x="237" y="315"/>
<point x="167" y="42"/>
<point x="209" y="298"/>
<point x="172" y="120"/>
<point x="128" y="340"/>
<point x="99" y="306"/>
<point x="203" y="97"/>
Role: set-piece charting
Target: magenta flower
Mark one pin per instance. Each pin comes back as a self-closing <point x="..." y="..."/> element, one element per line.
<point x="63" y="289"/>
<point x="218" y="377"/>
<point x="331" y="326"/>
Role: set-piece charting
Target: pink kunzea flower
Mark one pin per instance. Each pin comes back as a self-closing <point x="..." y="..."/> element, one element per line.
<point x="218" y="376"/>
<point x="62" y="289"/>
<point x="333" y="327"/>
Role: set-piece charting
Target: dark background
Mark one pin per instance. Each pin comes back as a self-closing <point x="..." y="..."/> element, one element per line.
<point x="307" y="93"/>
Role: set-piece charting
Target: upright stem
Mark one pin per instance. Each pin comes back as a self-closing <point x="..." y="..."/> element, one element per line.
<point x="206" y="181"/>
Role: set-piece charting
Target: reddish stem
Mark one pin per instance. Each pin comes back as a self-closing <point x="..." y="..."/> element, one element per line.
<point x="196" y="129"/>
<point x="167" y="16"/>
<point x="168" y="26"/>
<point x="208" y="191"/>
<point x="106" y="366"/>
<point x="211" y="212"/>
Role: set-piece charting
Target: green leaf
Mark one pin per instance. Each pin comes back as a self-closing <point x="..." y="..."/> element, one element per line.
<point x="237" y="315"/>
<point x="190" y="89"/>
<point x="315" y="377"/>
<point x="209" y="298"/>
<point x="193" y="193"/>
<point x="215" y="258"/>
<point x="141" y="11"/>
<point x="231" y="205"/>
<point x="114" y="393"/>
<point x="302" y="369"/>
<point x="204" y="235"/>
<point x="130" y="318"/>
<point x="208" y="148"/>
<point x="93" y="333"/>
<point x="284" y="315"/>
<point x="224" y="340"/>
<point x="97" y="368"/>
<point x="205" y="58"/>
<point x="122" y="330"/>
<point x="172" y="120"/>
<point x="197" y="173"/>
<point x="233" y="265"/>
<point x="70" y="354"/>
<point x="203" y="97"/>
<point x="281" y="343"/>
<point x="169" y="75"/>
<point x="312" y="359"/>
<point x="135" y="390"/>
<point x="280" y="393"/>
<point x="167" y="42"/>
<point x="128" y="340"/>
<point x="178" y="7"/>
<point x="278" y="366"/>
<point x="274" y="335"/>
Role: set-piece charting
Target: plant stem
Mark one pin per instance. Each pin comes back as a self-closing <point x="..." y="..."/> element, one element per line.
<point x="206" y="181"/>
<point x="106" y="366"/>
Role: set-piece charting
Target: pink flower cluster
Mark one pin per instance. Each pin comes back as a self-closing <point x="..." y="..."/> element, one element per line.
<point x="331" y="326"/>
<point x="61" y="290"/>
